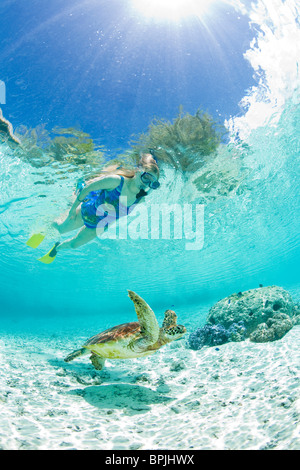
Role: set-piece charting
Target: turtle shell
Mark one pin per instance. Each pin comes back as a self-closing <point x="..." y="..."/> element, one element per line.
<point x="116" y="333"/>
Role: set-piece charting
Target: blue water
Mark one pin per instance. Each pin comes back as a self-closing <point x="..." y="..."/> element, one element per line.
<point x="109" y="71"/>
<point x="104" y="68"/>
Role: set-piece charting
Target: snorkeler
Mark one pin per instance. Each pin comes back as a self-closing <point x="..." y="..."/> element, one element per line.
<point x="104" y="192"/>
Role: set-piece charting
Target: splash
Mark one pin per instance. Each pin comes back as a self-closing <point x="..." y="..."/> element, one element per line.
<point x="274" y="56"/>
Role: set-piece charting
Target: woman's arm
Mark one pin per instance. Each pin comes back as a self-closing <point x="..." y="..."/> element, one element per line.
<point x="105" y="182"/>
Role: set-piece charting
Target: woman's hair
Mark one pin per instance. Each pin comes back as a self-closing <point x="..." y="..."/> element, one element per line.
<point x="146" y="163"/>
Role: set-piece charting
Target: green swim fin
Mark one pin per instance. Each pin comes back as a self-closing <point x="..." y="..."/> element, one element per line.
<point x="49" y="257"/>
<point x="35" y="240"/>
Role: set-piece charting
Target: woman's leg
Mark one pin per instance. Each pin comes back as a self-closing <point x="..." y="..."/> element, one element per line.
<point x="85" y="235"/>
<point x="70" y="223"/>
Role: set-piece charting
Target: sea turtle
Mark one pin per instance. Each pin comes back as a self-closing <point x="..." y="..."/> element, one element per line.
<point x="136" y="339"/>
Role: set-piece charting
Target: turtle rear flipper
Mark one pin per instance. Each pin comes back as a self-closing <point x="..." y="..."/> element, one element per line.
<point x="74" y="354"/>
<point x="97" y="361"/>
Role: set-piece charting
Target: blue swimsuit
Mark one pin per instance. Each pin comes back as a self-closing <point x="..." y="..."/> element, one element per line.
<point x="93" y="208"/>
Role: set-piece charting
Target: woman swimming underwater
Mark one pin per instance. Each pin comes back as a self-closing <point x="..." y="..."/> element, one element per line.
<point x="101" y="202"/>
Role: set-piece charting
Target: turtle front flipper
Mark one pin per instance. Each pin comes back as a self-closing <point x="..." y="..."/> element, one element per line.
<point x="140" y="345"/>
<point x="74" y="354"/>
<point x="147" y="320"/>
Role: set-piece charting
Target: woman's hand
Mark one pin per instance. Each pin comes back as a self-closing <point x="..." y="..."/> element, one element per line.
<point x="106" y="182"/>
<point x="72" y="211"/>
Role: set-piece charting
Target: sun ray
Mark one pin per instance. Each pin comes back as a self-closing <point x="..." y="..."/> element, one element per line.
<point x="171" y="10"/>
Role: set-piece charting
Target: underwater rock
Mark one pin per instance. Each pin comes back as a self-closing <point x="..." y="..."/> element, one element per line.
<point x="262" y="334"/>
<point x="208" y="335"/>
<point x="213" y="335"/>
<point x="297" y="313"/>
<point x="253" y="307"/>
<point x="275" y="328"/>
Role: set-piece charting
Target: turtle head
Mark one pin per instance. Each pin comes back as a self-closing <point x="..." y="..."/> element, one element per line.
<point x="175" y="332"/>
<point x="170" y="319"/>
<point x="172" y="331"/>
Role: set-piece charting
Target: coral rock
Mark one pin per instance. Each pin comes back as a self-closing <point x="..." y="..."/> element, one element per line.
<point x="253" y="307"/>
<point x="275" y="328"/>
<point x="262" y="334"/>
<point x="214" y="335"/>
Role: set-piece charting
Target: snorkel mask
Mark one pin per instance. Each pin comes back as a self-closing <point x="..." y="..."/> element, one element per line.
<point x="150" y="180"/>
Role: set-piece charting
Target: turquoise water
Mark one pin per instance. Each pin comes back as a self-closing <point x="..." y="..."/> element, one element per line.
<point x="250" y="238"/>
<point x="251" y="234"/>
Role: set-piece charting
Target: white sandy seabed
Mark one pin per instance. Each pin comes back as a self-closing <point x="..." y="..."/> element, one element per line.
<point x="237" y="396"/>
